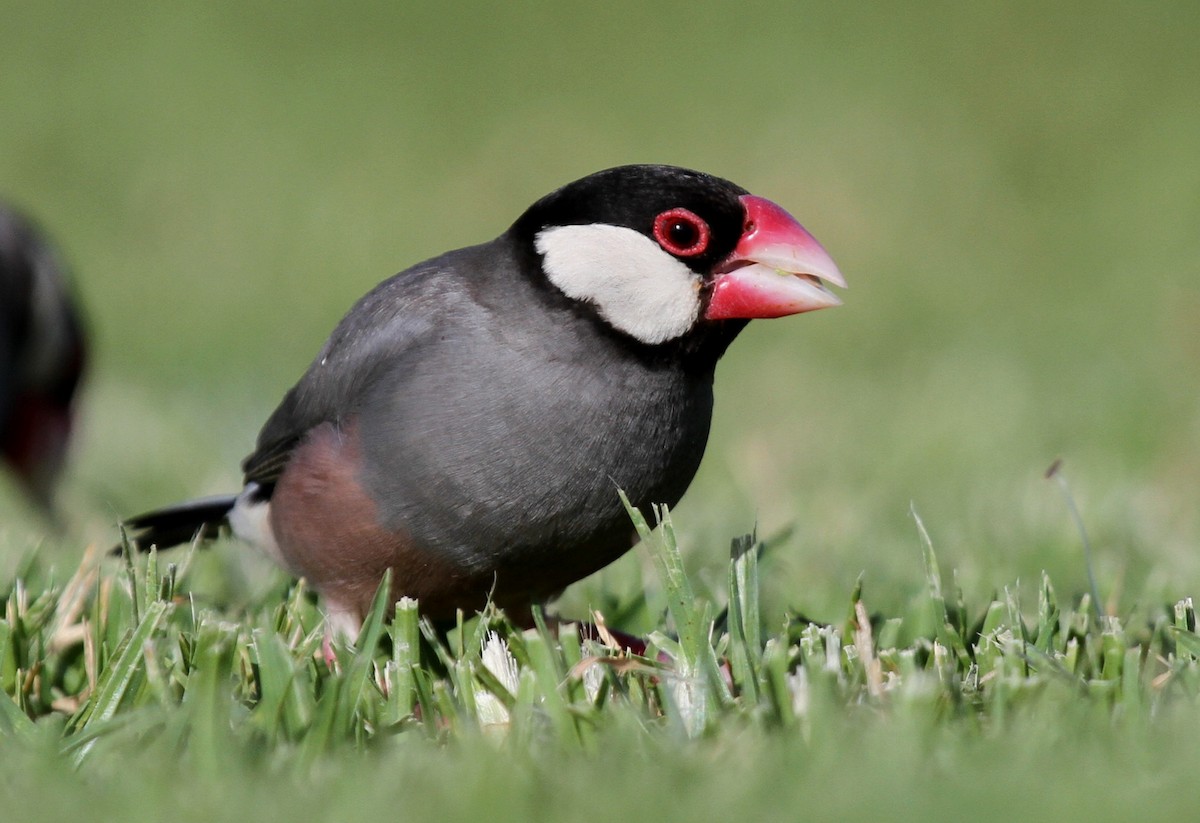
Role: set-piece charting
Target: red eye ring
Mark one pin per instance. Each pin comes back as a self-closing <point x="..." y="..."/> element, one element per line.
<point x="681" y="232"/>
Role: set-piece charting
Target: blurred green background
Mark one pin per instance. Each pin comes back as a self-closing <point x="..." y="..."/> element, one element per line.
<point x="1012" y="190"/>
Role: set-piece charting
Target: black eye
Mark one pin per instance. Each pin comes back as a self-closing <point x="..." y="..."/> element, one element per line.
<point x="681" y="232"/>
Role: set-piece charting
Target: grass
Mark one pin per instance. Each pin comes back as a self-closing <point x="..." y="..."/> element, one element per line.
<point x="1010" y="190"/>
<point x="118" y="677"/>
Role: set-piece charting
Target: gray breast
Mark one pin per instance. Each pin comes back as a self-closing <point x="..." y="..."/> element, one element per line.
<point x="503" y="441"/>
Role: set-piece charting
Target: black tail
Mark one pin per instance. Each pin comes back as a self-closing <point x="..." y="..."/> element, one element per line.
<point x="201" y="519"/>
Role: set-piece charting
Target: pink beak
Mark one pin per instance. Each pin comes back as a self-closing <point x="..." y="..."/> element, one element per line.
<point x="777" y="269"/>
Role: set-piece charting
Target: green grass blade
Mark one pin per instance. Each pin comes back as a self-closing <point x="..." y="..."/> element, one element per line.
<point x="745" y="630"/>
<point x="406" y="658"/>
<point x="14" y="722"/>
<point x="114" y="682"/>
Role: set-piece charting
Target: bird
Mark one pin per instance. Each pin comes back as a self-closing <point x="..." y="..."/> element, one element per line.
<point x="469" y="422"/>
<point x="42" y="356"/>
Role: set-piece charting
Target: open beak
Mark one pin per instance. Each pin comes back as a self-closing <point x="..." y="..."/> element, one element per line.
<point x="777" y="269"/>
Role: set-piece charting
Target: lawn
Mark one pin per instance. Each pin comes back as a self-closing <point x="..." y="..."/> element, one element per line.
<point x="1013" y="193"/>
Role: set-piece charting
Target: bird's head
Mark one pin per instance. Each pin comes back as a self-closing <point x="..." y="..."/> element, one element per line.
<point x="660" y="252"/>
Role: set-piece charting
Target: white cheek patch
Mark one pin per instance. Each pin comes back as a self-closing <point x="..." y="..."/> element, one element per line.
<point x="635" y="285"/>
